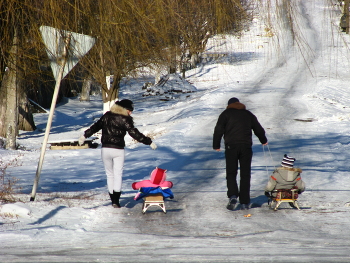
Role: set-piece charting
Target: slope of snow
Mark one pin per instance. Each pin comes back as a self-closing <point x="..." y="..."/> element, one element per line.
<point x="301" y="100"/>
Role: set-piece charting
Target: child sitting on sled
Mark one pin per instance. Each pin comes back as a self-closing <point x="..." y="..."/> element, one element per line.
<point x="285" y="177"/>
<point x="155" y="190"/>
<point x="158" y="179"/>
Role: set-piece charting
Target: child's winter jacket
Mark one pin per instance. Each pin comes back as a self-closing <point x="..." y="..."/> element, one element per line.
<point x="285" y="178"/>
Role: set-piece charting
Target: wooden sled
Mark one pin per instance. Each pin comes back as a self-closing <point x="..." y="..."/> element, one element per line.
<point x="284" y="196"/>
<point x="153" y="200"/>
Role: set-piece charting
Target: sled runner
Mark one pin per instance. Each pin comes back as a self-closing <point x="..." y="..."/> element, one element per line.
<point x="154" y="191"/>
<point x="280" y="196"/>
<point x="153" y="196"/>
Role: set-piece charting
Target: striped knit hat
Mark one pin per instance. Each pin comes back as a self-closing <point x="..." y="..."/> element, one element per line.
<point x="288" y="161"/>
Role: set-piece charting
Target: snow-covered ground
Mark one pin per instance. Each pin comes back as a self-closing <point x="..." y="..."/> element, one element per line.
<point x="300" y="98"/>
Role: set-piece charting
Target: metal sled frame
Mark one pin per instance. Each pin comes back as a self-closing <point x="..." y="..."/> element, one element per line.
<point x="153" y="200"/>
<point x="279" y="200"/>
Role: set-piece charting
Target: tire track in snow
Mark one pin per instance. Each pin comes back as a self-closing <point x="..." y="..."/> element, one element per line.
<point x="297" y="65"/>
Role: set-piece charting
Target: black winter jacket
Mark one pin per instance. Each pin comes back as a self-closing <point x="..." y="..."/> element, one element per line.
<point x="236" y="125"/>
<point x="114" y="124"/>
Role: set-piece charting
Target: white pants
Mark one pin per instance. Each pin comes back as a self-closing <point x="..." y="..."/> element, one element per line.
<point x="113" y="160"/>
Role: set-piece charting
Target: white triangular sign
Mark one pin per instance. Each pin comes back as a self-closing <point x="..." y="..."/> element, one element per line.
<point x="54" y="40"/>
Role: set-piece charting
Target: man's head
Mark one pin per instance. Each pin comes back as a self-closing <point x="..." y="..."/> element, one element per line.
<point x="232" y="100"/>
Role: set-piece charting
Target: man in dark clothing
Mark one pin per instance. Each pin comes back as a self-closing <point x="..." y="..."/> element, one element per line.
<point x="236" y="125"/>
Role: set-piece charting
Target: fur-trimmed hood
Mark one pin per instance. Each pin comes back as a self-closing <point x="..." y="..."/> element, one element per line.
<point x="290" y="169"/>
<point x="119" y="110"/>
<point x="236" y="105"/>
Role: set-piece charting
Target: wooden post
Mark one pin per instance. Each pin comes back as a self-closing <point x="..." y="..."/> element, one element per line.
<point x="49" y="121"/>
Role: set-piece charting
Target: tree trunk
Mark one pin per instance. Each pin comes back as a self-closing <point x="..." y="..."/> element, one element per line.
<point x="25" y="120"/>
<point x="3" y="96"/>
<point x="15" y="113"/>
<point x="11" y="111"/>
<point x="85" y="90"/>
<point x="11" y="98"/>
<point x="346" y="12"/>
<point x="110" y="92"/>
<point x="3" y="104"/>
<point x="25" y="115"/>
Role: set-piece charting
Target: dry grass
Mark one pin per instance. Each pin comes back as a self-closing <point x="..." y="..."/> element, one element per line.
<point x="8" y="183"/>
<point x="7" y="188"/>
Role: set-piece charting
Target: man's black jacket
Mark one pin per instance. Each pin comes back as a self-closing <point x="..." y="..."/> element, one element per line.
<point x="236" y="125"/>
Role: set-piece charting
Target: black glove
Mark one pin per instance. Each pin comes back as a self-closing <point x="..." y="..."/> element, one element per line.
<point x="267" y="194"/>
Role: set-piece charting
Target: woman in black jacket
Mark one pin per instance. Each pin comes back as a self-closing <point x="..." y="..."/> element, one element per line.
<point x="114" y="125"/>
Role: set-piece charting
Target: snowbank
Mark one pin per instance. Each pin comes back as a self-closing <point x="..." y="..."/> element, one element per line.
<point x="15" y="210"/>
<point x="169" y="85"/>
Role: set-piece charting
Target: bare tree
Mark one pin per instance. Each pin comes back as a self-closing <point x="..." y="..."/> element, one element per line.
<point x="12" y="74"/>
<point x="184" y="27"/>
<point x="129" y="34"/>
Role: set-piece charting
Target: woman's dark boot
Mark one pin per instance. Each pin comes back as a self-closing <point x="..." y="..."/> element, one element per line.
<point x="112" y="198"/>
<point x="115" y="202"/>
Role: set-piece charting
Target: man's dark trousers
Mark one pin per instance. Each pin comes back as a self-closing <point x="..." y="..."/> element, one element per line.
<point x="242" y="154"/>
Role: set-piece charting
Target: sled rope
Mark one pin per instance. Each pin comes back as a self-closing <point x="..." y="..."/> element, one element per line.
<point x="266" y="161"/>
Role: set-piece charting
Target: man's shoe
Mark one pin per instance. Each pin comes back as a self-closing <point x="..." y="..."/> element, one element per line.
<point x="232" y="203"/>
<point x="244" y="206"/>
<point x="233" y="200"/>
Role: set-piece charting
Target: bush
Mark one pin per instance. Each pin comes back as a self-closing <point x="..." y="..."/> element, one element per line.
<point x="7" y="183"/>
